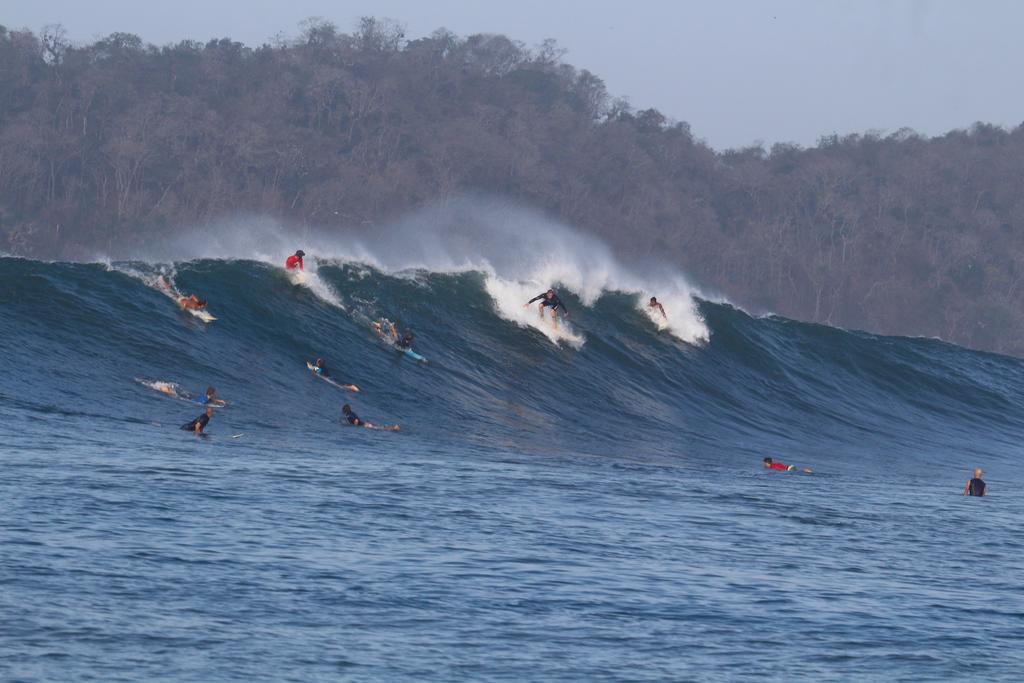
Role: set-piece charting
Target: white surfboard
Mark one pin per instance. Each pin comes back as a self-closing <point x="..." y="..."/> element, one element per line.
<point x="343" y="387"/>
<point x="202" y="314"/>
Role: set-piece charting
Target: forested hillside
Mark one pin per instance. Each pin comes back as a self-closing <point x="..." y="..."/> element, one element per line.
<point x="118" y="140"/>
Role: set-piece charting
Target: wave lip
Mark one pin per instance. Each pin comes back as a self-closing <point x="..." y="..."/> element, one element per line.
<point x="522" y="252"/>
<point x="716" y="384"/>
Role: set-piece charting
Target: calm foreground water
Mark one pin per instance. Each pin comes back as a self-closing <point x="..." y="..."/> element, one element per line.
<point x="219" y="561"/>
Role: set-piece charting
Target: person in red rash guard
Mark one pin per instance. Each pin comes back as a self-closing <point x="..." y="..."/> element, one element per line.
<point x="295" y="261"/>
<point x="769" y="464"/>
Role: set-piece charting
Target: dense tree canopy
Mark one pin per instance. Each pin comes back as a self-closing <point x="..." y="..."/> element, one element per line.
<point x="118" y="139"/>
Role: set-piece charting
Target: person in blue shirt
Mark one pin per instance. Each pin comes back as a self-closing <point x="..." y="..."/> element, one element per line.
<point x="210" y="399"/>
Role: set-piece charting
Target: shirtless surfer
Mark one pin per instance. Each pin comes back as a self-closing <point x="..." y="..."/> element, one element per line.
<point x="653" y="303"/>
<point x="192" y="303"/>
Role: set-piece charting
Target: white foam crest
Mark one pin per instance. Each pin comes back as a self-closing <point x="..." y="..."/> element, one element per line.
<point x="310" y="279"/>
<point x="520" y="251"/>
<point x="254" y="239"/>
<point x="171" y="389"/>
<point x="151" y="277"/>
<point x="682" y="319"/>
<point x="509" y="298"/>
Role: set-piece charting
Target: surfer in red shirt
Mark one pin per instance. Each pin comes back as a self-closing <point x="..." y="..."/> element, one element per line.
<point x="295" y="261"/>
<point x="770" y="464"/>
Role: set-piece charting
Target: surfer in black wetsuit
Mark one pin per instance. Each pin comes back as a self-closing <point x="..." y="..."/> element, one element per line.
<point x="550" y="300"/>
<point x="356" y="421"/>
<point x="976" y="486"/>
<point x="352" y="418"/>
<point x="321" y="369"/>
<point x="197" y="425"/>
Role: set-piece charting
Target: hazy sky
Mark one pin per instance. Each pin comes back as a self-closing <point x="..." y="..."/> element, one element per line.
<point x="736" y="70"/>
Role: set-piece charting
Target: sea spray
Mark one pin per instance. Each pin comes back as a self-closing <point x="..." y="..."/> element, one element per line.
<point x="520" y="251"/>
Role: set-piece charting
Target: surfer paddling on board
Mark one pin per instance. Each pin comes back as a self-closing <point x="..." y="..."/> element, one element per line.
<point x="653" y="304"/>
<point x="391" y="334"/>
<point x="550" y="300"/>
<point x="192" y="303"/>
<point x="319" y="368"/>
<point x="294" y="262"/>
<point x="770" y="464"/>
<point x="197" y="425"/>
<point x="356" y="421"/>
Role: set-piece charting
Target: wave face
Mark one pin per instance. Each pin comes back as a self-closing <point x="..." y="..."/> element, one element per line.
<point x="83" y="340"/>
<point x="588" y="502"/>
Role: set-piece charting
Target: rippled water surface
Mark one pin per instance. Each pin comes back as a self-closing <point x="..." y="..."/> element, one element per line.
<point x="549" y="511"/>
<point x="216" y="560"/>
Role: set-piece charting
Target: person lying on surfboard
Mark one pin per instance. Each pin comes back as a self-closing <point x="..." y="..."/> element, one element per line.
<point x="192" y="303"/>
<point x="319" y="368"/>
<point x="294" y="262"/>
<point x="403" y="342"/>
<point x="356" y="421"/>
<point x="210" y="398"/>
<point x="197" y="425"/>
<point x="550" y="300"/>
<point x="770" y="464"/>
<point x="653" y="303"/>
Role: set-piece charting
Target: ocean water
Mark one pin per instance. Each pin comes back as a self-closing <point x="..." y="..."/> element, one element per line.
<point x="579" y="504"/>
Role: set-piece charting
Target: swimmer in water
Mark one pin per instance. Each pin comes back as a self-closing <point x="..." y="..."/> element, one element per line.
<point x="197" y="425"/>
<point x="976" y="486"/>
